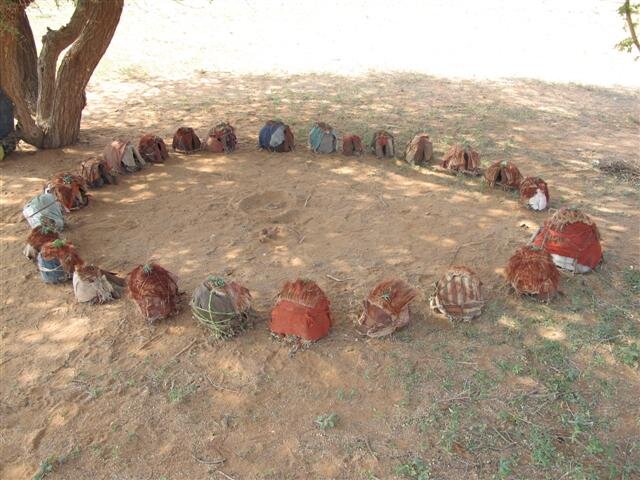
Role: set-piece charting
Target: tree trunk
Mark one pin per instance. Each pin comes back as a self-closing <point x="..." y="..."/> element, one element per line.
<point x="53" y="120"/>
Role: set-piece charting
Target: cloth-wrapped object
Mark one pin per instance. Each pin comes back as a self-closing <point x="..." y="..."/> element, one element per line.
<point x="152" y="148"/>
<point x="573" y="240"/>
<point x="458" y="294"/>
<point x="8" y="139"/>
<point x="222" y="138"/>
<point x="69" y="189"/>
<point x="352" y="145"/>
<point x="57" y="261"/>
<point x="276" y="137"/>
<point x="185" y="140"/>
<point x="419" y="150"/>
<point x="386" y="308"/>
<point x="122" y="157"/>
<point x="534" y="193"/>
<point x="155" y="291"/>
<point x="37" y="238"/>
<point x="44" y="209"/>
<point x="504" y="173"/>
<point x="93" y="285"/>
<point x="531" y="271"/>
<point x="463" y="160"/>
<point x="301" y="310"/>
<point x="322" y="138"/>
<point x="97" y="172"/>
<point x="223" y="307"/>
<point x="382" y="144"/>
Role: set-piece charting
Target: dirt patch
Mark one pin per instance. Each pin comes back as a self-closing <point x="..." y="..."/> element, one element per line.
<point x="528" y="389"/>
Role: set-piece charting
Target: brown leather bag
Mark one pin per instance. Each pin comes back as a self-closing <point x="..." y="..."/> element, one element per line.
<point x="463" y="160"/>
<point x="352" y="145"/>
<point x="152" y="148"/>
<point x="185" y="140"/>
<point x="222" y="138"/>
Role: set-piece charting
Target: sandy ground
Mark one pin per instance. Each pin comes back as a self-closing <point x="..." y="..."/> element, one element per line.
<point x="568" y="41"/>
<point x="103" y="395"/>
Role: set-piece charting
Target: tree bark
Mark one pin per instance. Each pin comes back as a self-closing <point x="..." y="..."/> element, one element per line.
<point x="76" y="69"/>
<point x="48" y="99"/>
<point x="27" y="56"/>
<point x="13" y="72"/>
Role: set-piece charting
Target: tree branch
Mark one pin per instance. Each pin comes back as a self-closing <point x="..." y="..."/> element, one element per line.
<point x="12" y="73"/>
<point x="28" y="57"/>
<point x="77" y="67"/>
<point x="53" y="43"/>
<point x="632" y="28"/>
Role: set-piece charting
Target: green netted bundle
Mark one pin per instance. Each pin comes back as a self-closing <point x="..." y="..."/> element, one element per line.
<point x="222" y="307"/>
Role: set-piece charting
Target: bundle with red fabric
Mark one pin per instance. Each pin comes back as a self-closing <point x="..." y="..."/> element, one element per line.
<point x="534" y="193"/>
<point x="302" y="310"/>
<point x="458" y="294"/>
<point x="352" y="145"/>
<point x="531" y="271"/>
<point x="155" y="291"/>
<point x="185" y="140"/>
<point x="153" y="149"/>
<point x="122" y="157"/>
<point x="96" y="172"/>
<point x="419" y="150"/>
<point x="382" y="144"/>
<point x="503" y="173"/>
<point x="463" y="160"/>
<point x="69" y="189"/>
<point x="96" y="286"/>
<point x="386" y="308"/>
<point x="57" y="261"/>
<point x="222" y="138"/>
<point x="37" y="238"/>
<point x="223" y="307"/>
<point x="573" y="240"/>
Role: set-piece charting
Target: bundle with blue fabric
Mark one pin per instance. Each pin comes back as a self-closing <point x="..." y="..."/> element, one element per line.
<point x="276" y="137"/>
<point x="322" y="138"/>
<point x="57" y="261"/>
<point x="44" y="210"/>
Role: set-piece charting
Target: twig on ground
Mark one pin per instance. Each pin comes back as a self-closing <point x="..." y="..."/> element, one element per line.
<point x="208" y="462"/>
<point x="335" y="279"/>
<point x="298" y="234"/>
<point x="225" y="475"/>
<point x="382" y="200"/>
<point x="461" y="396"/>
<point x="307" y="200"/>
<point x="221" y="387"/>
<point x="460" y="247"/>
<point x="368" y="445"/>
<point x="145" y="344"/>
<point x="193" y="342"/>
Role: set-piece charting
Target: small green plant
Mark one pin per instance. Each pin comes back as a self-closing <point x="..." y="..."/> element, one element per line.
<point x="631" y="277"/>
<point x="326" y="421"/>
<point x="628" y="354"/>
<point x="452" y="430"/>
<point x="594" y="446"/>
<point x="415" y="469"/>
<point x="543" y="452"/>
<point x="46" y="466"/>
<point x="504" y="468"/>
<point x="178" y="394"/>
